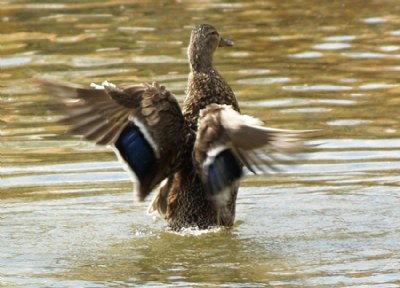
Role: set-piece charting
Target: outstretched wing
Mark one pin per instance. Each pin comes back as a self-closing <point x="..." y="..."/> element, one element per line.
<point x="142" y="122"/>
<point x="227" y="140"/>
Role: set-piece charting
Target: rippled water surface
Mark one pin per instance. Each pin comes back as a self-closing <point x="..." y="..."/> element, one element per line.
<point x="67" y="215"/>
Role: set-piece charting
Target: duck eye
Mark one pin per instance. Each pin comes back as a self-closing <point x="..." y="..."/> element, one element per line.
<point x="213" y="33"/>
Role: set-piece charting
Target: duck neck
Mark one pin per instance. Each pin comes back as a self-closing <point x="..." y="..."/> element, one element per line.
<point x="200" y="62"/>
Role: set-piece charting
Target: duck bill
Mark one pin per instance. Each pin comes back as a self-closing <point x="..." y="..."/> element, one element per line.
<point x="225" y="43"/>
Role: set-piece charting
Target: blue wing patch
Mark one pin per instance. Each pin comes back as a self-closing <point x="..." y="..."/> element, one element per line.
<point x="223" y="171"/>
<point x="136" y="151"/>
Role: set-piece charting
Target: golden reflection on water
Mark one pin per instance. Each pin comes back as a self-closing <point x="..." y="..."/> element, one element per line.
<point x="67" y="214"/>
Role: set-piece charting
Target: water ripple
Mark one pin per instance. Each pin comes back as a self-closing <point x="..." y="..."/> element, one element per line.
<point x="306" y="55"/>
<point x="263" y="81"/>
<point x="332" y="46"/>
<point x="374" y="86"/>
<point x="365" y="55"/>
<point x="306" y="88"/>
<point x="94" y="61"/>
<point x="14" y="61"/>
<point x="348" y="122"/>
<point x="374" y="20"/>
<point x="158" y="59"/>
<point x="64" y="178"/>
<point x="339" y="38"/>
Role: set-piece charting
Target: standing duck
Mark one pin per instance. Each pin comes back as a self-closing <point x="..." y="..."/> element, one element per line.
<point x="196" y="152"/>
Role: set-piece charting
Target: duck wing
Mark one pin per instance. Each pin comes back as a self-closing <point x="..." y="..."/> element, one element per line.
<point x="227" y="140"/>
<point x="142" y="122"/>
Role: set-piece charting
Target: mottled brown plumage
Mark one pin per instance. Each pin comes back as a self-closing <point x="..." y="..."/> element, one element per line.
<point x="205" y="84"/>
<point x="199" y="151"/>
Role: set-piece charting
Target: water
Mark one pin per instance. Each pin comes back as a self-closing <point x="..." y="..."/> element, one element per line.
<point x="68" y="217"/>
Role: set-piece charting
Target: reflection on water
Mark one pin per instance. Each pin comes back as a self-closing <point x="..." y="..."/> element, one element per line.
<point x="68" y="218"/>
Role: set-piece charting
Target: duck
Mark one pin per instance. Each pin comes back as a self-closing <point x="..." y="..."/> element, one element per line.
<point x="195" y="152"/>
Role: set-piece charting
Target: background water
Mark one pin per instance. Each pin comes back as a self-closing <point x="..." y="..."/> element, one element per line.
<point x="67" y="215"/>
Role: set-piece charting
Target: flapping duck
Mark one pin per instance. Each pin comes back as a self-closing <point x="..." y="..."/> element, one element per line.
<point x="197" y="152"/>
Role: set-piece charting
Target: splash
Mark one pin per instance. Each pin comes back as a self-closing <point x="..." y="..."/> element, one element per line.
<point x="196" y="231"/>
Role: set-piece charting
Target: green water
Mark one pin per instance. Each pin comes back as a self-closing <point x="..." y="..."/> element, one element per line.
<point x="67" y="213"/>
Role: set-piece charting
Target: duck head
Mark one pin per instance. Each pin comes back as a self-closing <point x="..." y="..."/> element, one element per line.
<point x="204" y="40"/>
